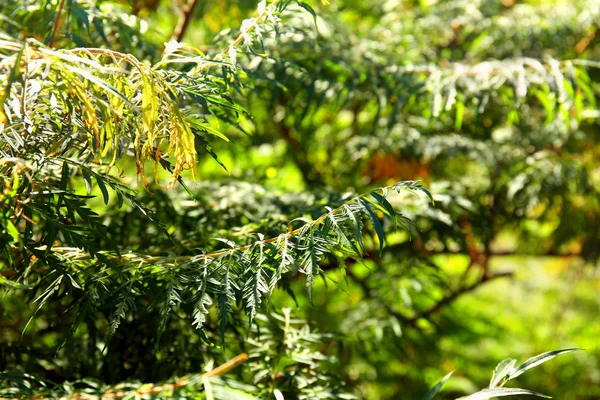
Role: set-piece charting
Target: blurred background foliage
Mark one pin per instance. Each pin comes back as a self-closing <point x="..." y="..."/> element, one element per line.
<point x="492" y="104"/>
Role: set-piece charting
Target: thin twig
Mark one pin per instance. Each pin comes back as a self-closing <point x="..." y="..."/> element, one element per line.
<point x="170" y="388"/>
<point x="450" y="297"/>
<point x="221" y="253"/>
<point x="56" y="23"/>
<point x="369" y="293"/>
<point x="241" y="36"/>
<point x="186" y="15"/>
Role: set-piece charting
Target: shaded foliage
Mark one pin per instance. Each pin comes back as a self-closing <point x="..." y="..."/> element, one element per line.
<point x="491" y="105"/>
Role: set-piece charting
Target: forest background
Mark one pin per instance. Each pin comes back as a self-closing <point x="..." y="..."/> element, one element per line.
<point x="155" y="152"/>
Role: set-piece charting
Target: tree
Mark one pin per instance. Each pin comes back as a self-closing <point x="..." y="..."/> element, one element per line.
<point x="114" y="288"/>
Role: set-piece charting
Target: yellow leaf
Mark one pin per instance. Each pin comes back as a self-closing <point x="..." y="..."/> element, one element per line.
<point x="149" y="106"/>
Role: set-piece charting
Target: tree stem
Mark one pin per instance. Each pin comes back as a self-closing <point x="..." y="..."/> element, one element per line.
<point x="187" y="13"/>
<point x="56" y="23"/>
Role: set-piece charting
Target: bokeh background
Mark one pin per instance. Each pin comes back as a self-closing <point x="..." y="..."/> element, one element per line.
<point x="492" y="104"/>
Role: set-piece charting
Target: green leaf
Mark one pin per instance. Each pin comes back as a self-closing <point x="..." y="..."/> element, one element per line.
<point x="460" y="112"/>
<point x="203" y="303"/>
<point x="357" y="230"/>
<point x="375" y="222"/>
<point x="104" y="85"/>
<point x="87" y="179"/>
<point x="12" y="284"/>
<point x="12" y="230"/>
<point x="51" y="230"/>
<point x="208" y="147"/>
<point x="43" y="298"/>
<point x="102" y="187"/>
<point x="539" y="359"/>
<point x="200" y="125"/>
<point x="64" y="176"/>
<point x="431" y="394"/>
<point x="342" y="235"/>
<point x="312" y="269"/>
<point x="387" y="207"/>
<point x="413" y="186"/>
<point x="119" y="199"/>
<point x="225" y="300"/>
<point x="285" y="260"/>
<point x="308" y="8"/>
<point x="167" y="166"/>
<point x="149" y="104"/>
<point x="503" y="369"/>
<point x="500" y="392"/>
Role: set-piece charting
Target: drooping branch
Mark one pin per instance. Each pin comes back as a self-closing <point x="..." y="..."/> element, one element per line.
<point x="370" y="293"/>
<point x="247" y="274"/>
<point x="75" y="254"/>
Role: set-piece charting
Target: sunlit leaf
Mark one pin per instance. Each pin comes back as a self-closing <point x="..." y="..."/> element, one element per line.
<point x="501" y="392"/>
<point x="434" y="391"/>
<point x="537" y="360"/>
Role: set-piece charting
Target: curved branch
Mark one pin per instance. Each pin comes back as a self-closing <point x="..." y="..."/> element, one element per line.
<point x="187" y="12"/>
<point x="450" y="297"/>
<point x="408" y="185"/>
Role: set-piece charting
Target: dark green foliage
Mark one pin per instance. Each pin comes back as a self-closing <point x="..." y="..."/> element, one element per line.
<point x="368" y="163"/>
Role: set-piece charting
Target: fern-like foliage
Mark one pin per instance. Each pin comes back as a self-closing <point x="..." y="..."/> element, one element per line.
<point x="282" y="360"/>
<point x="283" y="356"/>
<point x="243" y="275"/>
<point x="493" y="104"/>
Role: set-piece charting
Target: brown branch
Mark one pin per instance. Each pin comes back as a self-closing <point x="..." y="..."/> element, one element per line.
<point x="151" y="389"/>
<point x="450" y="297"/>
<point x="186" y="14"/>
<point x="220" y="253"/>
<point x="585" y="41"/>
<point x="369" y="293"/>
<point x="56" y="23"/>
<point x="447" y="299"/>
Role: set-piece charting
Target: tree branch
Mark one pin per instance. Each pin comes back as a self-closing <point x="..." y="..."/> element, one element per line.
<point x="450" y="297"/>
<point x="56" y="23"/>
<point x="168" y="388"/>
<point x="369" y="293"/>
<point x="186" y="15"/>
